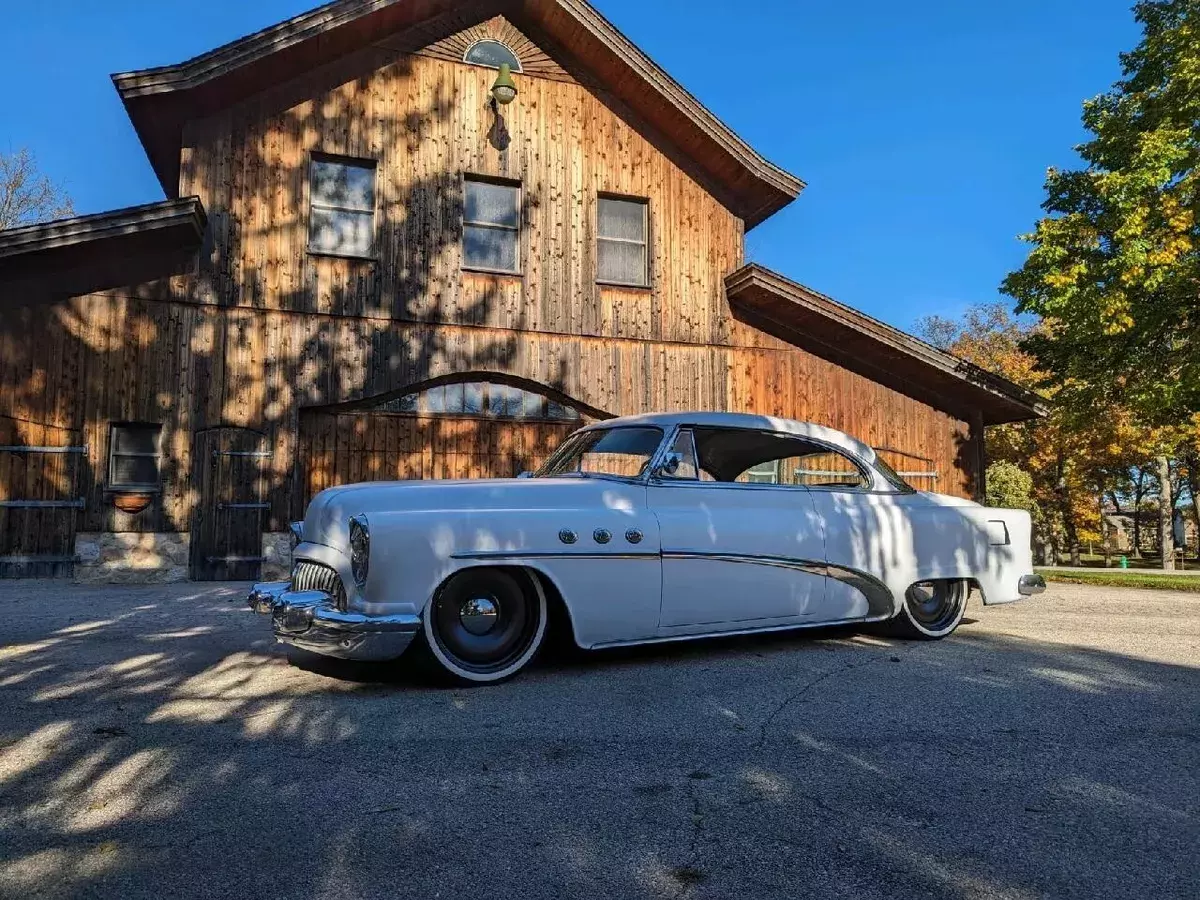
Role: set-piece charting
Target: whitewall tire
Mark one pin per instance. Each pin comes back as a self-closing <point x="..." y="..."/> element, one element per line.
<point x="485" y="625"/>
<point x="932" y="610"/>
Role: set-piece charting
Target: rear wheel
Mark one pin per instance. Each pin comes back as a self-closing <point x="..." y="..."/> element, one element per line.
<point x="932" y="610"/>
<point x="486" y="625"/>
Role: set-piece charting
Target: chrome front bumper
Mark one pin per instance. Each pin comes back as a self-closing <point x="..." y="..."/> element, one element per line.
<point x="1031" y="585"/>
<point x="311" y="621"/>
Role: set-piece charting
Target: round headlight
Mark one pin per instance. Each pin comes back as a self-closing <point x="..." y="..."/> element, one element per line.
<point x="360" y="550"/>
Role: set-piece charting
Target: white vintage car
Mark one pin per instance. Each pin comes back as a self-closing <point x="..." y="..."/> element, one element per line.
<point x="638" y="530"/>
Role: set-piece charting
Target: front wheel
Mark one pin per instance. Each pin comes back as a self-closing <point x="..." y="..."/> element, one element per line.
<point x="932" y="610"/>
<point x="486" y="625"/>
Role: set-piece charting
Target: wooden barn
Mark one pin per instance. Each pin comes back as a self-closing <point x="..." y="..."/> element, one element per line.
<point x="413" y="239"/>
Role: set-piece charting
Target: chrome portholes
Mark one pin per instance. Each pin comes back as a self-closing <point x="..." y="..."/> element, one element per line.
<point x="567" y="536"/>
<point x="602" y="535"/>
<point x="634" y="536"/>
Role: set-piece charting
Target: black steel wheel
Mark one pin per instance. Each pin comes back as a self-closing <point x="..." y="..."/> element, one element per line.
<point x="932" y="610"/>
<point x="486" y="625"/>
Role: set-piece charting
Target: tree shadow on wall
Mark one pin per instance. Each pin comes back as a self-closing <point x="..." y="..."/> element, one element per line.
<point x="265" y="329"/>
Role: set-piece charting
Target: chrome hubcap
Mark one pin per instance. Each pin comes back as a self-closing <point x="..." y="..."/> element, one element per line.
<point x="479" y="615"/>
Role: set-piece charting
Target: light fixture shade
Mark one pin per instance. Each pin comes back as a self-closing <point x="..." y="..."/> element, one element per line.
<point x="504" y="91"/>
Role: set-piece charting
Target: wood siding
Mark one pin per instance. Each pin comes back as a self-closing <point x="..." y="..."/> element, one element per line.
<point x="427" y="123"/>
<point x="265" y="332"/>
<point x="348" y="448"/>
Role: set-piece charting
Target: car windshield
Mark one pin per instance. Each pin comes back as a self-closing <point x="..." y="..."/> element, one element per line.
<point x="615" y="452"/>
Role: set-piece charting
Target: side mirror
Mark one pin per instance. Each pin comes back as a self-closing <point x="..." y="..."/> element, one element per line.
<point x="525" y="475"/>
<point x="671" y="464"/>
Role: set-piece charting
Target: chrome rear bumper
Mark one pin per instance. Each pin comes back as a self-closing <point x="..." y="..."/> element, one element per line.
<point x="1031" y="585"/>
<point x="311" y="621"/>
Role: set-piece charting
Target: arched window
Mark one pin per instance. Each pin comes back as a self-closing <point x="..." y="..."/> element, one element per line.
<point x="492" y="54"/>
<point x="482" y="398"/>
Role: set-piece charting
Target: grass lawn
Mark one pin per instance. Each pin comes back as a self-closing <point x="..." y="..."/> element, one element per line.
<point x="1122" y="578"/>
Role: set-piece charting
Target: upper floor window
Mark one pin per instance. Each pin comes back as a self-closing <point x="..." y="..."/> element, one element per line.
<point x="341" y="215"/>
<point x="134" y="457"/>
<point x="475" y="398"/>
<point x="623" y="226"/>
<point x="492" y="226"/>
<point x="492" y="54"/>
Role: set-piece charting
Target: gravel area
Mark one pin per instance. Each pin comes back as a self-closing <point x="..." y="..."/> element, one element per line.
<point x="155" y="742"/>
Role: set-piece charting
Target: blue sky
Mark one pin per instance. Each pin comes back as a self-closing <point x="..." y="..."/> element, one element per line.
<point x="923" y="129"/>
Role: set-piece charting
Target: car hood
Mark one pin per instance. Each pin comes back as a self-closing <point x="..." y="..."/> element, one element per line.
<point x="327" y="520"/>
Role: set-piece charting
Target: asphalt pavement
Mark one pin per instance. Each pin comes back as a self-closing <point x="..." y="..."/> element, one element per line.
<point x="156" y="743"/>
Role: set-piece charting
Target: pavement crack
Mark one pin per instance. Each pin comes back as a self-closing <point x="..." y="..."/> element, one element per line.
<point x="799" y="694"/>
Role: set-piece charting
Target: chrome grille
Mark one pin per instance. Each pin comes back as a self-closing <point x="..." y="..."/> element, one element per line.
<point x="310" y="576"/>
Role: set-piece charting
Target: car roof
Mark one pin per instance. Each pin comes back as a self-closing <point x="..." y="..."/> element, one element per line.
<point x="748" y="422"/>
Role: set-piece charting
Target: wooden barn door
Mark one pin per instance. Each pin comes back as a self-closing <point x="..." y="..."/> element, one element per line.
<point x="40" y="496"/>
<point x="232" y="508"/>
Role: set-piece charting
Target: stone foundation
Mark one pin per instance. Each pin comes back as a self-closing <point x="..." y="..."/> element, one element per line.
<point x="277" y="556"/>
<point x="107" y="558"/>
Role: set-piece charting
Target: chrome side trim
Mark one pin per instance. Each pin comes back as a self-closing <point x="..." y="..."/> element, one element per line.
<point x="808" y="566"/>
<point x="553" y="554"/>
<point x="880" y="602"/>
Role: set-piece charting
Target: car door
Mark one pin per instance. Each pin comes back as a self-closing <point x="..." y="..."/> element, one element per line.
<point x="741" y="549"/>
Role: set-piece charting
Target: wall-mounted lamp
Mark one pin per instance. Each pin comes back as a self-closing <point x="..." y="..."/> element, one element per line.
<point x="504" y="91"/>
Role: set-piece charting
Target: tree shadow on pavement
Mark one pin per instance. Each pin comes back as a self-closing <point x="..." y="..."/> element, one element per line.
<point x="156" y="742"/>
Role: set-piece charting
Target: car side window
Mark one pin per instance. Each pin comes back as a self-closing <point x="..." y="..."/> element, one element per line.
<point x="760" y="457"/>
<point x="827" y="470"/>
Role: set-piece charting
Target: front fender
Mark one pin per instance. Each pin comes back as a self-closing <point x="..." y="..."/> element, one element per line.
<point x="603" y="561"/>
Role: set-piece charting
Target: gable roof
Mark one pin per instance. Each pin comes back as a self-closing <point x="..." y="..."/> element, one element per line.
<point x="85" y="254"/>
<point x="794" y="313"/>
<point x="161" y="100"/>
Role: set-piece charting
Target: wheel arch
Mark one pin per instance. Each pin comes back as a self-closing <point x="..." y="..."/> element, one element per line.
<point x="558" y="610"/>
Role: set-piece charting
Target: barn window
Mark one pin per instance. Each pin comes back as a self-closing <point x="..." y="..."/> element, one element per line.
<point x="492" y="54"/>
<point x="341" y="215"/>
<point x="622" y="241"/>
<point x="134" y="457"/>
<point x="482" y="399"/>
<point x="492" y="226"/>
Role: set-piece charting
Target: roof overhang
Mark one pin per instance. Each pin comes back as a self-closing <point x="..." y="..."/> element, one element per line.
<point x="85" y="254"/>
<point x="828" y="329"/>
<point x="161" y="101"/>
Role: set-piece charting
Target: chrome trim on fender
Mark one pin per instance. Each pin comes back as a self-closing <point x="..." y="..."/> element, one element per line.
<point x="1031" y="585"/>
<point x="553" y="554"/>
<point x="880" y="600"/>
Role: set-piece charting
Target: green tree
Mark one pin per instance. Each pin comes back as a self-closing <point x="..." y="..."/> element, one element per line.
<point x="1114" y="273"/>
<point x="1074" y="456"/>
<point x="1010" y="487"/>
